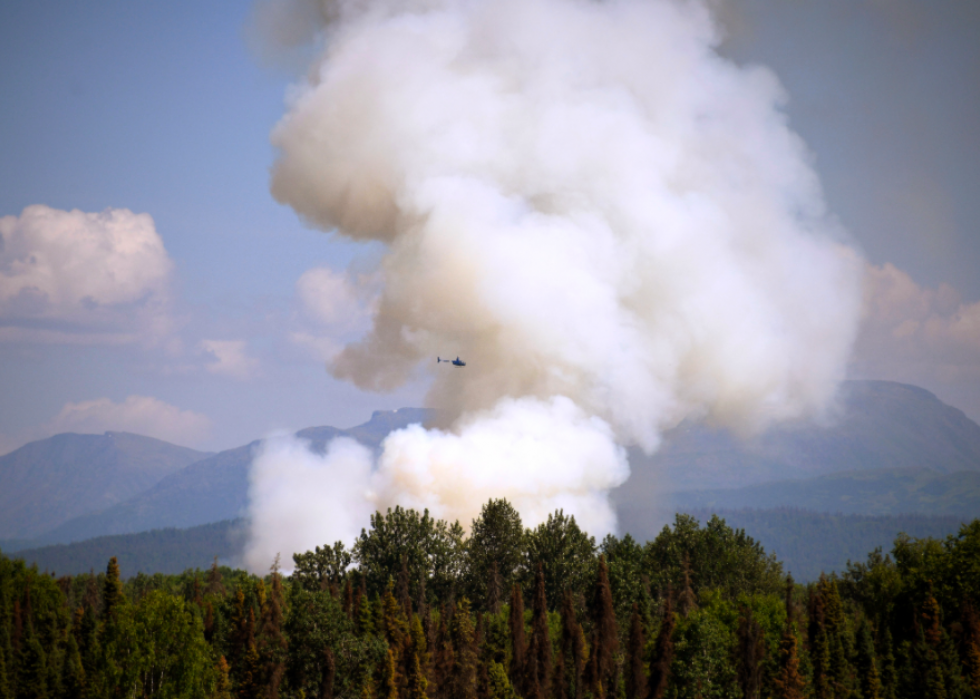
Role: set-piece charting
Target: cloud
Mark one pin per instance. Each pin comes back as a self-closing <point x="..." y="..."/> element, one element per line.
<point x="917" y="333"/>
<point x="77" y="277"/>
<point x="229" y="358"/>
<point x="138" y="414"/>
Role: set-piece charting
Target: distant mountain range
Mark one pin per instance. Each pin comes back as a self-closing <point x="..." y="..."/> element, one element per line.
<point x="48" y="482"/>
<point x="891" y="449"/>
<point x="212" y="489"/>
<point x="168" y="551"/>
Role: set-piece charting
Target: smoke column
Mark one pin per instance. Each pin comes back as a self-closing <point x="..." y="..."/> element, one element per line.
<point x="612" y="224"/>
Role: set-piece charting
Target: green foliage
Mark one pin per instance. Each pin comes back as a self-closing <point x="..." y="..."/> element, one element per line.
<point x="566" y="553"/>
<point x="720" y="558"/>
<point x="704" y="648"/>
<point x="433" y="550"/>
<point x="896" y="626"/>
<point x="496" y="543"/>
<point x="322" y="566"/>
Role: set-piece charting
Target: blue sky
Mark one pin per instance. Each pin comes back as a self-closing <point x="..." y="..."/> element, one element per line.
<point x="162" y="108"/>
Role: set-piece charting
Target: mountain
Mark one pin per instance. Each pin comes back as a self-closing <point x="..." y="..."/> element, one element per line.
<point x="884" y="492"/>
<point x="215" y="488"/>
<point x="167" y="551"/>
<point x="877" y="425"/>
<point x="46" y="483"/>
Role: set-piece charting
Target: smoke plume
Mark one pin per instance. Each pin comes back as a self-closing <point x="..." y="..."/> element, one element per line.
<point x="612" y="224"/>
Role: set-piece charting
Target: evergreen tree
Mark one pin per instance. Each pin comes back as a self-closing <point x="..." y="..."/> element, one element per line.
<point x="222" y="689"/>
<point x="751" y="652"/>
<point x="112" y="592"/>
<point x="31" y="667"/>
<point x="389" y="685"/>
<point x="5" y="692"/>
<point x="417" y="681"/>
<point x="500" y="686"/>
<point x="518" y="643"/>
<point x="867" y="667"/>
<point x="605" y="637"/>
<point x="540" y="646"/>
<point x="636" y="679"/>
<point x="444" y="658"/>
<point x="559" y="685"/>
<point x="73" y="672"/>
<point x="573" y="647"/>
<point x="404" y="599"/>
<point x="971" y="647"/>
<point x="462" y="681"/>
<point x="789" y="683"/>
<point x="889" y="679"/>
<point x="271" y="641"/>
<point x="494" y="589"/>
<point x="663" y="653"/>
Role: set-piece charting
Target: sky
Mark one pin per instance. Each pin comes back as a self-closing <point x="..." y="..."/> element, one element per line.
<point x="187" y="304"/>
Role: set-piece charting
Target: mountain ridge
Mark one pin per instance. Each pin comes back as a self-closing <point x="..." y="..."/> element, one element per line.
<point x="50" y="481"/>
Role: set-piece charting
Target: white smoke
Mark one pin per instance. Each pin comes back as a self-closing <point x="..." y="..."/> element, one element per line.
<point x="610" y="223"/>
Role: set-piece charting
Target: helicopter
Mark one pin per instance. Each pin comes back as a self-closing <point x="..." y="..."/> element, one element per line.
<point x="454" y="362"/>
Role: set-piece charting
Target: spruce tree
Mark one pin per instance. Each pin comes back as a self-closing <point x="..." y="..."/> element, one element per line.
<point x="462" y="682"/>
<point x="636" y="679"/>
<point x="867" y="667"/>
<point x="789" y="682"/>
<point x="573" y="647"/>
<point x="663" y="653"/>
<point x="73" y="672"/>
<point x="112" y="594"/>
<point x="271" y="639"/>
<point x="606" y="640"/>
<point x="404" y="599"/>
<point x="540" y="646"/>
<point x="390" y="682"/>
<point x="500" y="686"/>
<point x="494" y="589"/>
<point x="518" y="643"/>
<point x="328" y="673"/>
<point x="31" y="667"/>
<point x="750" y="654"/>
<point x="222" y="671"/>
<point x="889" y="678"/>
<point x="971" y="647"/>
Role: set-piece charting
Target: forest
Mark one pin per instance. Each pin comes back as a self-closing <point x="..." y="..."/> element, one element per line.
<point x="418" y="608"/>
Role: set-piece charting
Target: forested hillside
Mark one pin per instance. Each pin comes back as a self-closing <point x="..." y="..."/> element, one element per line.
<point x="416" y="609"/>
<point x="168" y="551"/>
<point x="50" y="481"/>
<point x="212" y="489"/>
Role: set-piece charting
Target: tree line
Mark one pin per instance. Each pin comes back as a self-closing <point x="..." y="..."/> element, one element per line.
<point x="416" y="609"/>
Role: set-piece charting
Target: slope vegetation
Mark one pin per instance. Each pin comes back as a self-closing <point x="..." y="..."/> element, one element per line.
<point x="46" y="483"/>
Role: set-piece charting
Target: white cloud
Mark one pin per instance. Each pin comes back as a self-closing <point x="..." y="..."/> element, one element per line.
<point x="922" y="336"/>
<point x="139" y="414"/>
<point x="230" y="358"/>
<point x="907" y="323"/>
<point x="72" y="276"/>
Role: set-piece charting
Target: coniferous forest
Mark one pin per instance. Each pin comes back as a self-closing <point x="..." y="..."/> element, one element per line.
<point x="418" y="609"/>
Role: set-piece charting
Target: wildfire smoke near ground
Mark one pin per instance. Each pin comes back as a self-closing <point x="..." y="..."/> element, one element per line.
<point x="613" y="224"/>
